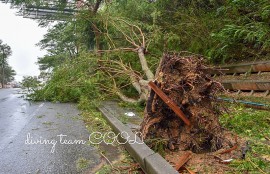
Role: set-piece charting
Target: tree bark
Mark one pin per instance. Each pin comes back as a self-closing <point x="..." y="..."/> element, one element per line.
<point x="3" y="76"/>
<point x="125" y="98"/>
<point x="145" y="68"/>
<point x="3" y="71"/>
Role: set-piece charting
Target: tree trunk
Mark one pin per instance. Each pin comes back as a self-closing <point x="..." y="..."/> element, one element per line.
<point x="145" y="68"/>
<point x="96" y="31"/>
<point x="140" y="85"/>
<point x="97" y="38"/>
<point x="185" y="81"/>
<point x="3" y="76"/>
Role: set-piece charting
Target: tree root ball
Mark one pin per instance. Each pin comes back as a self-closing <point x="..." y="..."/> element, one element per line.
<point x="184" y="79"/>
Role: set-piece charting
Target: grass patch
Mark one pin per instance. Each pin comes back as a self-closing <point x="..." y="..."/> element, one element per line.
<point x="95" y="122"/>
<point x="124" y="119"/>
<point x="157" y="145"/>
<point x="248" y="122"/>
<point x="48" y="123"/>
<point x="82" y="163"/>
<point x="58" y="115"/>
<point x="40" y="116"/>
<point x="123" y="166"/>
<point x="105" y="170"/>
<point x="137" y="107"/>
<point x="254" y="126"/>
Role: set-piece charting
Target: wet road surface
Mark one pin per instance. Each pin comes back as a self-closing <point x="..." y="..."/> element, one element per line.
<point x="42" y="137"/>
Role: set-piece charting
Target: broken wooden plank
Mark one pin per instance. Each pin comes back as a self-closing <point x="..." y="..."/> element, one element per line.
<point x="169" y="102"/>
<point x="182" y="160"/>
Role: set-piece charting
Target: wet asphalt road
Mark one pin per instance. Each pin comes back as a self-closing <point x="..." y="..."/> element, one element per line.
<point x="34" y="137"/>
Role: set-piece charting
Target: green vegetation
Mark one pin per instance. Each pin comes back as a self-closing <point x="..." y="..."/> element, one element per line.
<point x="82" y="163"/>
<point x="47" y="123"/>
<point x="241" y="118"/>
<point x="32" y="84"/>
<point x="111" y="49"/>
<point x="104" y="170"/>
<point x="124" y="165"/>
<point x="254" y="127"/>
<point x="73" y="80"/>
<point x="40" y="116"/>
<point x="114" y="48"/>
<point x="93" y="118"/>
<point x="6" y="72"/>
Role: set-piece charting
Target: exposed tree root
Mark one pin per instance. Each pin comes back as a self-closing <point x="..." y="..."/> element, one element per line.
<point x="184" y="79"/>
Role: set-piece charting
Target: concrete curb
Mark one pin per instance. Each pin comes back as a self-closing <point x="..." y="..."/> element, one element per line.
<point x="150" y="162"/>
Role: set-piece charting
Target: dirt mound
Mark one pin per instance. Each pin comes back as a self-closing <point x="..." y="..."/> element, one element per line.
<point x="184" y="79"/>
<point x="212" y="162"/>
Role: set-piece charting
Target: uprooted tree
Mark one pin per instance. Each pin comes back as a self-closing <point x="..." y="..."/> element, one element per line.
<point x="185" y="81"/>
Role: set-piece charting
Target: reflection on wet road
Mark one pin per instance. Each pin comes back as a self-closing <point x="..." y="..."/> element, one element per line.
<point x="43" y="122"/>
<point x="14" y="114"/>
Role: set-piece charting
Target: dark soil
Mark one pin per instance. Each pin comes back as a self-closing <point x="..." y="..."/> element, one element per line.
<point x="212" y="162"/>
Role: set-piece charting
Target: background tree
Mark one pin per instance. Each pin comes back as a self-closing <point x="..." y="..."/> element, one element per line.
<point x="245" y="32"/>
<point x="60" y="43"/>
<point x="31" y="83"/>
<point x="7" y="73"/>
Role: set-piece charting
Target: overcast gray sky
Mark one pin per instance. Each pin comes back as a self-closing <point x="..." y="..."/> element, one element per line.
<point x="21" y="35"/>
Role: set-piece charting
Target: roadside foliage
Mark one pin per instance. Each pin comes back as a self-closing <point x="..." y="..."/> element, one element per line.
<point x="112" y="49"/>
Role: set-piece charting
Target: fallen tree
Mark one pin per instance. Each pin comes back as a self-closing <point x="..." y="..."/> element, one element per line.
<point x="186" y="83"/>
<point x="132" y="40"/>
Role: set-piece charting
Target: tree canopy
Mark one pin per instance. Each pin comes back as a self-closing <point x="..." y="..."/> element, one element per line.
<point x="128" y="38"/>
